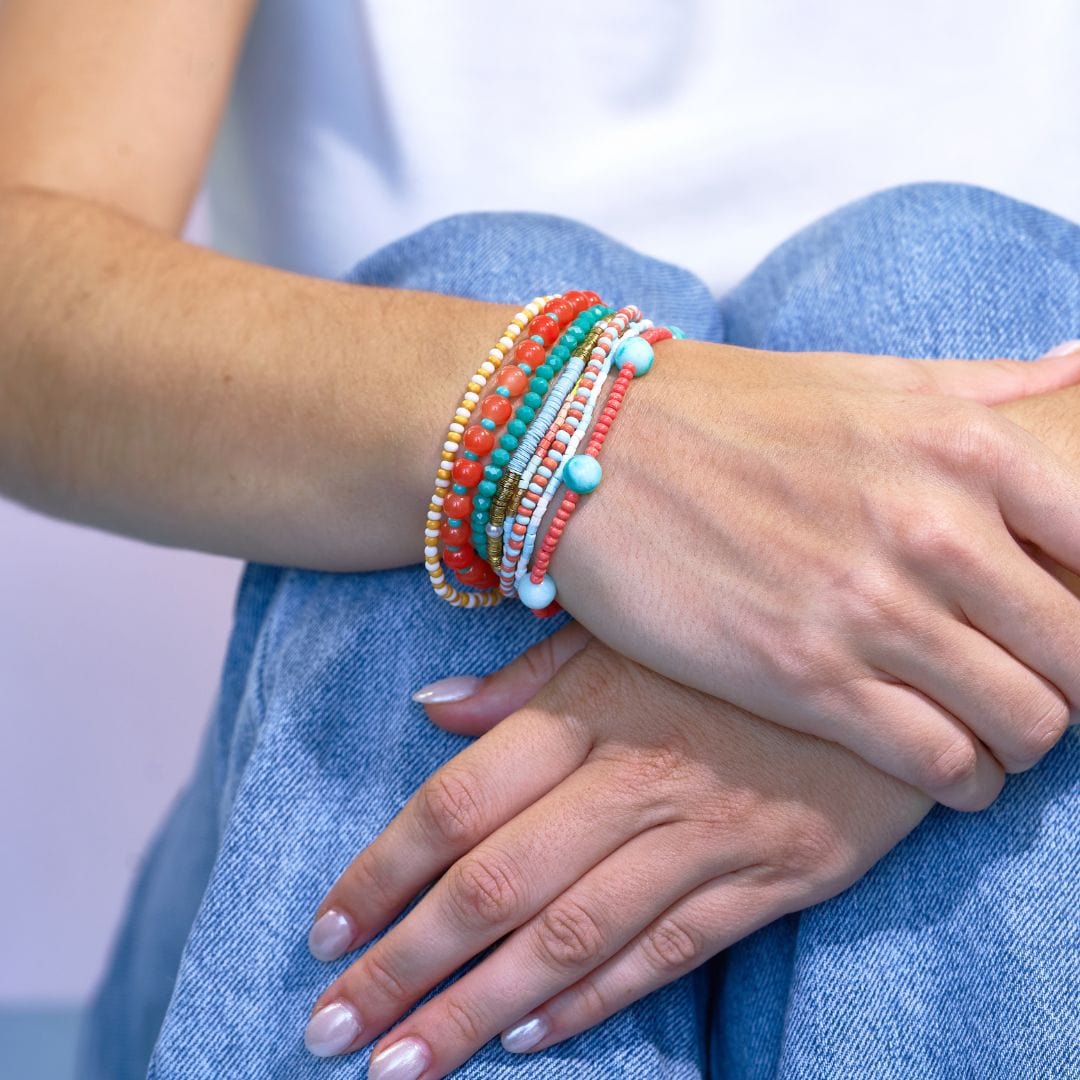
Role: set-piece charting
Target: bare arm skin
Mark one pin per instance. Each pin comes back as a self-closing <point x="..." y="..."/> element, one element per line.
<point x="153" y="388"/>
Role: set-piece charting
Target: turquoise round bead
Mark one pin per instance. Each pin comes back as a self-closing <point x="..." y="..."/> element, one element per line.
<point x="517" y="426"/>
<point x="486" y="487"/>
<point x="487" y="425"/>
<point x="538" y="386"/>
<point x="537" y="596"/>
<point x="502" y="391"/>
<point x="582" y="473"/>
<point x="532" y="400"/>
<point x="635" y="351"/>
<point x="500" y="457"/>
<point x="560" y="353"/>
<point x="545" y="371"/>
<point x="460" y="489"/>
<point x="508" y="442"/>
<point x="492" y="472"/>
<point x="676" y="333"/>
<point x="478" y="517"/>
<point x="470" y="455"/>
<point x="526" y="414"/>
<point x="481" y="503"/>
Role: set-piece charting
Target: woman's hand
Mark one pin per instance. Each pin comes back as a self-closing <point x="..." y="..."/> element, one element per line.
<point x="834" y="543"/>
<point x="616" y="832"/>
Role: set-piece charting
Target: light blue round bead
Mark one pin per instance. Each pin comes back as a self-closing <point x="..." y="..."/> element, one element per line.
<point x="582" y="473"/>
<point x="635" y="351"/>
<point x="676" y="333"/>
<point x="537" y="596"/>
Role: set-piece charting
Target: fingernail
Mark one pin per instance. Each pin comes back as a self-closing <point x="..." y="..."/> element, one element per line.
<point x="456" y="688"/>
<point x="330" y="936"/>
<point x="1066" y="347"/>
<point x="331" y="1030"/>
<point x="405" y="1060"/>
<point x="526" y="1035"/>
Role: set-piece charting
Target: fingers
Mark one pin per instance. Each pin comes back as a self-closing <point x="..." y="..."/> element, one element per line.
<point x="910" y="737"/>
<point x="508" y="689"/>
<point x="487" y="784"/>
<point x="1005" y="704"/>
<point x="487" y="894"/>
<point x="1038" y="495"/>
<point x="994" y="381"/>
<point x="693" y="930"/>
<point x="569" y="938"/>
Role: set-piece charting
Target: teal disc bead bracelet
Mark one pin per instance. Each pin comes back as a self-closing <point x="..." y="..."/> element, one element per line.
<point x="525" y="415"/>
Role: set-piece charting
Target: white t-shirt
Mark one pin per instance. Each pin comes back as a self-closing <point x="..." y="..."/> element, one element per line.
<point x="700" y="131"/>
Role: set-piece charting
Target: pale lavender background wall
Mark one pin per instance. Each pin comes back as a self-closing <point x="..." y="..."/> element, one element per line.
<point x="110" y="652"/>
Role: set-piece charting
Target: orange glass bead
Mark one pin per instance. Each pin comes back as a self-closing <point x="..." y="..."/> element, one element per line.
<point x="457" y="506"/>
<point x="545" y="327"/>
<point x="514" y="379"/>
<point x="468" y="473"/>
<point x="479" y="440"/>
<point x="529" y="352"/>
<point x="495" y="407"/>
<point x="455" y="535"/>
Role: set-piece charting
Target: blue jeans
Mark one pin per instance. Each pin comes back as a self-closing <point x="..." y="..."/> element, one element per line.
<point x="958" y="955"/>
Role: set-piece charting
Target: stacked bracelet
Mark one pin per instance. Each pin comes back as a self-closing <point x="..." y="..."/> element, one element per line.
<point x="506" y="455"/>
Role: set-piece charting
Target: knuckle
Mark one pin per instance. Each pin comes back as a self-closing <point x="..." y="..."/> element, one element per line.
<point x="589" y="676"/>
<point x="933" y="536"/>
<point x="648" y="769"/>
<point x="449" y="809"/>
<point x="365" y="878"/>
<point x="814" y="853"/>
<point x="590" y="1000"/>
<point x="538" y="661"/>
<point x="1043" y="733"/>
<point x="806" y="666"/>
<point x="872" y="598"/>
<point x="671" y="945"/>
<point x="951" y="766"/>
<point x="378" y="973"/>
<point x="968" y="438"/>
<point x="568" y="937"/>
<point x="483" y="892"/>
<point x="464" y="1021"/>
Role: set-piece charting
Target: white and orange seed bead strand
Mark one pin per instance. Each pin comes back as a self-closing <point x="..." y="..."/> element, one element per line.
<point x="443" y="479"/>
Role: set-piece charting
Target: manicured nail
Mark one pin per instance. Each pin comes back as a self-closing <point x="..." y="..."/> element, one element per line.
<point x="331" y="935"/>
<point x="1066" y="347"/>
<point x="405" y="1060"/>
<point x="332" y="1030"/>
<point x="526" y="1035"/>
<point x="456" y="688"/>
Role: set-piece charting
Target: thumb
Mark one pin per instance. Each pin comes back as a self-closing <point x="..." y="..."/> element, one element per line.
<point x="468" y="705"/>
<point x="993" y="381"/>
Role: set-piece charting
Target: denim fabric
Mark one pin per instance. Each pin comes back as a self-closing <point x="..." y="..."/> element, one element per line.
<point x="957" y="956"/>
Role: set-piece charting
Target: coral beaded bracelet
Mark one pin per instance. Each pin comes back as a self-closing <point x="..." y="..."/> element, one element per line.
<point x="454" y="480"/>
<point x="506" y="454"/>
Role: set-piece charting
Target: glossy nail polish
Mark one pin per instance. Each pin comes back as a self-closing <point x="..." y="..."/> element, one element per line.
<point x="442" y="692"/>
<point x="332" y="1030"/>
<point x="526" y="1035"/>
<point x="331" y="935"/>
<point x="1066" y="347"/>
<point x="404" y="1060"/>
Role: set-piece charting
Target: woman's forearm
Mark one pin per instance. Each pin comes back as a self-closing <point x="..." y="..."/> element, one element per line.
<point x="158" y="389"/>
